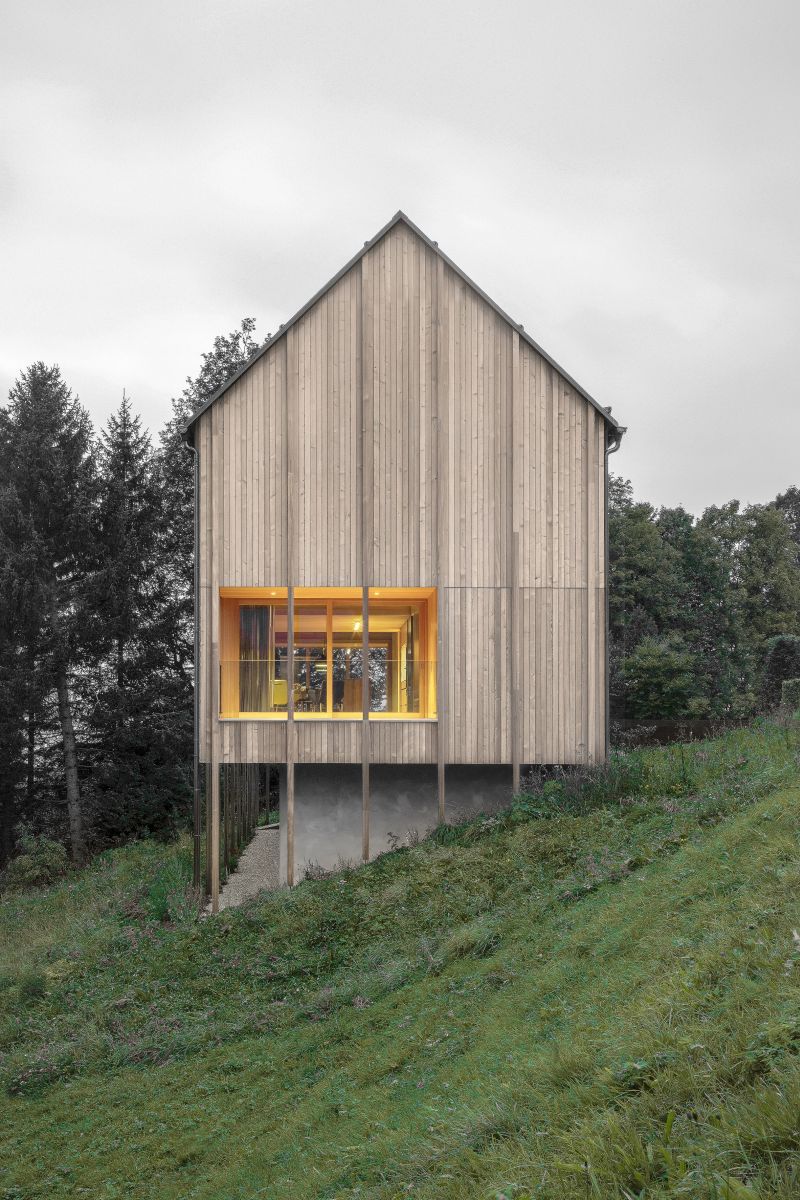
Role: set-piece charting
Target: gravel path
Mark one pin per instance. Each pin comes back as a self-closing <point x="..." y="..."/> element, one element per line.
<point x="257" y="869"/>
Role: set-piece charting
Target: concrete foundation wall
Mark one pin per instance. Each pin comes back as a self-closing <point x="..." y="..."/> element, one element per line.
<point x="403" y="803"/>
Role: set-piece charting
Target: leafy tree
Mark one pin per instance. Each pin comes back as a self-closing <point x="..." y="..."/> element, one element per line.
<point x="229" y="353"/>
<point x="781" y="662"/>
<point x="642" y="569"/>
<point x="660" y="679"/>
<point x="768" y="573"/>
<point x="723" y="583"/>
<point x="707" y="610"/>
<point x="788" y="503"/>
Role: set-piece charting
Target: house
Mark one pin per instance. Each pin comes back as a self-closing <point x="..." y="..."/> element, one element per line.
<point x="401" y="560"/>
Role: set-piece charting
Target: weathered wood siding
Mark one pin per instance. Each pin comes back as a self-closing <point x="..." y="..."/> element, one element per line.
<point x="402" y="433"/>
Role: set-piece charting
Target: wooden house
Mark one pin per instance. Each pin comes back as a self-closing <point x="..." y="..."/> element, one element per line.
<point x="401" y="561"/>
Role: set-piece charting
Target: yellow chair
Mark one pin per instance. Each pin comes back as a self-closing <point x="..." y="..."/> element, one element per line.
<point x="280" y="694"/>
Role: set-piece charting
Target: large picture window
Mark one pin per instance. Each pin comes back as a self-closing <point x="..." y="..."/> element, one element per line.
<point x="254" y="654"/>
<point x="325" y="668"/>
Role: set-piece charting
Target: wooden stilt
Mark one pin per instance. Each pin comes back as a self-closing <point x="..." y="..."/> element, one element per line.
<point x="215" y="824"/>
<point x="290" y="821"/>
<point x="209" y="857"/>
<point x="515" y="494"/>
<point x="226" y="832"/>
<point x="365" y="723"/>
<point x="364" y="352"/>
<point x="290" y="746"/>
<point x="441" y="390"/>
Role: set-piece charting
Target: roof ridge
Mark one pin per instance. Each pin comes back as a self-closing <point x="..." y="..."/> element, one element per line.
<point x="348" y="266"/>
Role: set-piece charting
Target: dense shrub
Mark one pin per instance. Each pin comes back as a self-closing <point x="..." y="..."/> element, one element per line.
<point x="659" y="678"/>
<point x="40" y="862"/>
<point x="790" y="694"/>
<point x="781" y="661"/>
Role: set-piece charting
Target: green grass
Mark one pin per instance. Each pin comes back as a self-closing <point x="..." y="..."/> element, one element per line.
<point x="596" y="994"/>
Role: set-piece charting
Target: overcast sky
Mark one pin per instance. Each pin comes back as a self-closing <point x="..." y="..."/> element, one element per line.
<point x="621" y="177"/>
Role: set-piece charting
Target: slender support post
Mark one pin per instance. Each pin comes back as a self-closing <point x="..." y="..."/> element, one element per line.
<point x="290" y="742"/>
<point x="516" y="711"/>
<point x="364" y="368"/>
<point x="225" y="797"/>
<point x="440" y="705"/>
<point x="209" y="857"/>
<point x="196" y="805"/>
<point x="216" y="441"/>
<point x="365" y="723"/>
<point x="214" y="822"/>
<point x="515" y="497"/>
<point x="441" y="384"/>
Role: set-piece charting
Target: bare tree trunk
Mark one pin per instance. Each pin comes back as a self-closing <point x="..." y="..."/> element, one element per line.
<point x="77" y="845"/>
<point x="70" y="767"/>
<point x="30" y="782"/>
<point x="6" y="825"/>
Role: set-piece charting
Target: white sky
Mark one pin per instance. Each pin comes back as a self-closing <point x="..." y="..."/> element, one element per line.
<point x="622" y="178"/>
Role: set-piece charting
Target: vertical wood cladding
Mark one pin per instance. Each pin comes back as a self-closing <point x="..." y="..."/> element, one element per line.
<point x="420" y="411"/>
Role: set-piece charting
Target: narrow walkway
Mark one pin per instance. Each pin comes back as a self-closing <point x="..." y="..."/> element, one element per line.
<point x="257" y="869"/>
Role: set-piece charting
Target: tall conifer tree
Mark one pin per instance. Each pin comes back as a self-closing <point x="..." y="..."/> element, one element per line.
<point x="46" y="528"/>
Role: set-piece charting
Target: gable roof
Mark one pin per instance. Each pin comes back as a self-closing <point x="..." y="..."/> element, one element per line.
<point x="396" y="219"/>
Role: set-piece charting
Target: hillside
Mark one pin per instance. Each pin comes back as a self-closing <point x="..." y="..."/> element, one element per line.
<point x="595" y="994"/>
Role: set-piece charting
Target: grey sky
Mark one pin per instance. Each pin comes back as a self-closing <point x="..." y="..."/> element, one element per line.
<point x="621" y="177"/>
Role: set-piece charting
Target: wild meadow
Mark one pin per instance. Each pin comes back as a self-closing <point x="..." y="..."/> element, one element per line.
<point x="595" y="993"/>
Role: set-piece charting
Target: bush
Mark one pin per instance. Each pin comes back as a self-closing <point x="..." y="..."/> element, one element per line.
<point x="790" y="694"/>
<point x="781" y="662"/>
<point x="40" y="862"/>
<point x="659" y="678"/>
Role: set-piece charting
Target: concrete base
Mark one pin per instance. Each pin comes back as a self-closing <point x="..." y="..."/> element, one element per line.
<point x="403" y="806"/>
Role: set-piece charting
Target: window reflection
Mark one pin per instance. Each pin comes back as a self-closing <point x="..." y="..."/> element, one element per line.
<point x="310" y="658"/>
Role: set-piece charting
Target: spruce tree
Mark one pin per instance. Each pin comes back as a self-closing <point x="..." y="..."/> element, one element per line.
<point x="138" y="770"/>
<point x="46" y="526"/>
<point x="127" y="523"/>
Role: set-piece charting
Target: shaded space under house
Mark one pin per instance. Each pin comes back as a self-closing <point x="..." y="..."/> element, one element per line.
<point x="401" y="565"/>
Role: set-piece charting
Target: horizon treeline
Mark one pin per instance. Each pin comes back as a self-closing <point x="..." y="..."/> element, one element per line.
<point x="96" y="609"/>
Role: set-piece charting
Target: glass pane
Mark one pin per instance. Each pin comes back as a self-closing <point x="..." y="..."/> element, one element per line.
<point x="310" y="658"/>
<point x="396" y="633"/>
<point x="346" y="657"/>
<point x="261" y="668"/>
<point x="379" y="681"/>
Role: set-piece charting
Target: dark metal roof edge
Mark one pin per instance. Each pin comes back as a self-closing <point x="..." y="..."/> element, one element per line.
<point x="401" y="216"/>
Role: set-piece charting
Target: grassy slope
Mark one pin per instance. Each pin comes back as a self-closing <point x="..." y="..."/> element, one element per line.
<point x="602" y="1003"/>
